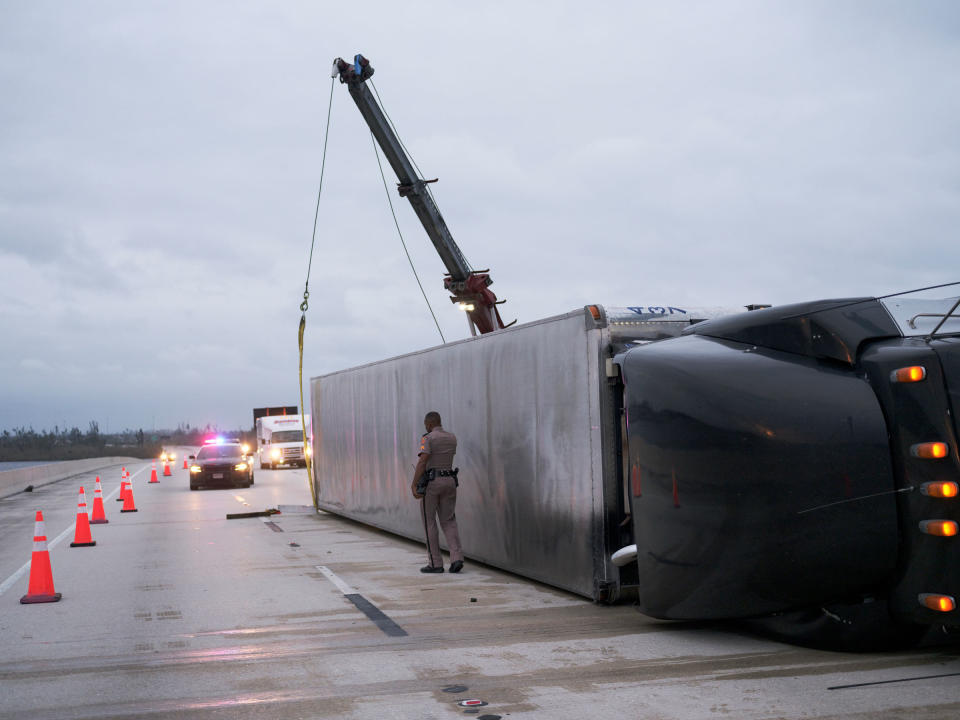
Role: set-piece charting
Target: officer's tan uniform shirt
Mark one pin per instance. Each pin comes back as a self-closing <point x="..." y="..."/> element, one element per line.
<point x="441" y="446"/>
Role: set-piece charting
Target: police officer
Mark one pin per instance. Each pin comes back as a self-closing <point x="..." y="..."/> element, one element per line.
<point x="439" y="497"/>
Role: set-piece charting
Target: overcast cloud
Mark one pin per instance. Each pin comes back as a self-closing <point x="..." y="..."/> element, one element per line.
<point x="159" y="164"/>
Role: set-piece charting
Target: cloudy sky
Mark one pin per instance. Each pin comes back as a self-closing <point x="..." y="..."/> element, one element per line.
<point x="159" y="167"/>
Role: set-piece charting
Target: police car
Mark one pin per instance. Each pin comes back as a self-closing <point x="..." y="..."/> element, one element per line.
<point x="221" y="462"/>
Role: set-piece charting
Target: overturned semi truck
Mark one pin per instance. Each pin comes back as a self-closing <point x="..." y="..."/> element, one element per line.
<point x="797" y="463"/>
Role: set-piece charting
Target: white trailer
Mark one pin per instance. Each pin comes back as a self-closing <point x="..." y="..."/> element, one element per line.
<point x="280" y="440"/>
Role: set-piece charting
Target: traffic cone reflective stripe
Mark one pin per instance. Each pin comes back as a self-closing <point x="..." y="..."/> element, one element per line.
<point x="128" y="505"/>
<point x="81" y="536"/>
<point x="166" y="470"/>
<point x="99" y="516"/>
<point x="153" y="471"/>
<point x="40" y="588"/>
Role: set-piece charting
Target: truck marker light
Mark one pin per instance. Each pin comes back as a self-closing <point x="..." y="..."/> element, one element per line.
<point x="594" y="311"/>
<point x="912" y="374"/>
<point x="930" y="450"/>
<point x="941" y="603"/>
<point x="944" y="528"/>
<point x="945" y="489"/>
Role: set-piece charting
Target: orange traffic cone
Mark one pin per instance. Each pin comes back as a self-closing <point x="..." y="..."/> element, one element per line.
<point x="99" y="516"/>
<point x="81" y="536"/>
<point x="153" y="471"/>
<point x="184" y="463"/>
<point x="128" y="505"/>
<point x="123" y="483"/>
<point x="40" y="589"/>
<point x="166" y="470"/>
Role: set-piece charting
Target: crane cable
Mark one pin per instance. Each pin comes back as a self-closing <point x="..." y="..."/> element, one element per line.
<point x="376" y="94"/>
<point x="305" y="304"/>
<point x="306" y="288"/>
<point x="402" y="242"/>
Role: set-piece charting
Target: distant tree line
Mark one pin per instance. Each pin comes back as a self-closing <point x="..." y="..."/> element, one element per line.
<point x="25" y="443"/>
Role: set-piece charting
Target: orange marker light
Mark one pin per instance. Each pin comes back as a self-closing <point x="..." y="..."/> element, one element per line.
<point x="941" y="603"/>
<point x="930" y="450"/>
<point x="940" y="489"/>
<point x="944" y="528"/>
<point x="912" y="374"/>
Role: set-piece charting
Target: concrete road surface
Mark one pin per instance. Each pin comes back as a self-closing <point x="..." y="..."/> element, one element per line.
<point x="178" y="612"/>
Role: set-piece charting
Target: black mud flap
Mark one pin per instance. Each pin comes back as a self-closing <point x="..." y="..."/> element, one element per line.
<point x="858" y="627"/>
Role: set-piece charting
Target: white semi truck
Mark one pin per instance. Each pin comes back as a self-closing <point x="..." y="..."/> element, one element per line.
<point x="280" y="440"/>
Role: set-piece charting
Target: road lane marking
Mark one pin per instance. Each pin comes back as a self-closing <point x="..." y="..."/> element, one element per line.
<point x="341" y="585"/>
<point x="12" y="580"/>
<point x="373" y="613"/>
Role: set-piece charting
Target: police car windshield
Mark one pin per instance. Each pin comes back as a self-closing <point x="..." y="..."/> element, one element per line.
<point x="288" y="436"/>
<point x="218" y="451"/>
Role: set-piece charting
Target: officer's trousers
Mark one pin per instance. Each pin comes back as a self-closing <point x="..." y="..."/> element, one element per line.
<point x="440" y="501"/>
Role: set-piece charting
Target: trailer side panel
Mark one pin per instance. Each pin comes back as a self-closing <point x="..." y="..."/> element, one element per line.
<point x="522" y="404"/>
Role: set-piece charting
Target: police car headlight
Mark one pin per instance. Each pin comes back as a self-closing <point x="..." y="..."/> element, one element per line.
<point x="195" y="468"/>
<point x="240" y="466"/>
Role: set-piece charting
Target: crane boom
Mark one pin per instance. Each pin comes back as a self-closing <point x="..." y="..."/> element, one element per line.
<point x="469" y="288"/>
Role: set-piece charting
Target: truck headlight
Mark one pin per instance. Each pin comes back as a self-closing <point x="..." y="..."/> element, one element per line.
<point x="275" y="453"/>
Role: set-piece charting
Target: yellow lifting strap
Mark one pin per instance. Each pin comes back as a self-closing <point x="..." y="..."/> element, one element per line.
<point x="308" y="448"/>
